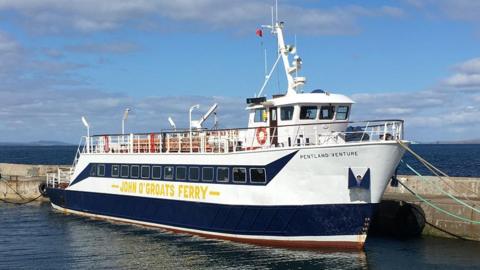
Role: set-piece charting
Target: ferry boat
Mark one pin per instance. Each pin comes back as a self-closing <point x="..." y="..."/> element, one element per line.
<point x="301" y="174"/>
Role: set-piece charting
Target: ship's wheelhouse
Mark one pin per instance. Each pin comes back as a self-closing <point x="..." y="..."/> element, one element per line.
<point x="298" y="118"/>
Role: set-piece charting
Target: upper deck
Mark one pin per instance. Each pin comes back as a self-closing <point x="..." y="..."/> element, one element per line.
<point x="242" y="140"/>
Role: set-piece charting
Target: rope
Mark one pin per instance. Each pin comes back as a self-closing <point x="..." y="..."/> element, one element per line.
<point x="434" y="170"/>
<point x="438" y="208"/>
<point x="16" y="192"/>
<point x="21" y="203"/>
<point x="441" y="190"/>
<point x="14" y="189"/>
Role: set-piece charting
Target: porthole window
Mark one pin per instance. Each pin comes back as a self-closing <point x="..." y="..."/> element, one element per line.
<point x="168" y="172"/>
<point x="115" y="171"/>
<point x="193" y="173"/>
<point x="181" y="173"/>
<point x="156" y="172"/>
<point x="258" y="176"/>
<point x="239" y="175"/>
<point x="135" y="171"/>
<point x="145" y="172"/>
<point x="207" y="174"/>
<point x="222" y="174"/>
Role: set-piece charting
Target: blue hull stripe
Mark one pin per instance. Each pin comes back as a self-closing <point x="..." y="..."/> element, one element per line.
<point x="272" y="169"/>
<point x="305" y="220"/>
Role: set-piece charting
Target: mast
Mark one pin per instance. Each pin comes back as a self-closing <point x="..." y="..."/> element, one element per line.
<point x="294" y="82"/>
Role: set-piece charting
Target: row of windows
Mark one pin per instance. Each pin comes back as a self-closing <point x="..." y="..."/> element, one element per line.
<point x="206" y="174"/>
<point x="327" y="112"/>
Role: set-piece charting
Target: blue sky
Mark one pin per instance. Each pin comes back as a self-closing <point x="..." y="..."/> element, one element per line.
<point x="417" y="60"/>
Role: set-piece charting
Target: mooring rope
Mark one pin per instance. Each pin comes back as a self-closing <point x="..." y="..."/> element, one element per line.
<point x="16" y="192"/>
<point x="434" y="170"/>
<point x="437" y="207"/>
<point x="441" y="190"/>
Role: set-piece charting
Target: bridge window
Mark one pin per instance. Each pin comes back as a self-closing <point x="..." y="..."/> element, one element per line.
<point x="193" y="173"/>
<point x="286" y="113"/>
<point x="260" y="115"/>
<point x="156" y="172"/>
<point x="207" y="174"/>
<point x="145" y="171"/>
<point x="135" y="171"/>
<point x="124" y="171"/>
<point x="181" y="173"/>
<point x="101" y="170"/>
<point x="342" y="113"/>
<point x="222" y="174"/>
<point x="115" y="171"/>
<point x="239" y="175"/>
<point x="308" y="112"/>
<point x="258" y="176"/>
<point x="327" y="112"/>
<point x="168" y="173"/>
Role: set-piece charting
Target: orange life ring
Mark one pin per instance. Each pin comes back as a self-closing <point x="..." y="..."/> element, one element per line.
<point x="106" y="146"/>
<point x="261" y="135"/>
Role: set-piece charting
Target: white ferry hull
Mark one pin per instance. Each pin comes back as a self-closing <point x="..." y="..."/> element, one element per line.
<point x="319" y="196"/>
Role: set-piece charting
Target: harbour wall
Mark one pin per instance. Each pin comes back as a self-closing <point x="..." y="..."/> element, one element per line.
<point x="438" y="223"/>
<point x="21" y="183"/>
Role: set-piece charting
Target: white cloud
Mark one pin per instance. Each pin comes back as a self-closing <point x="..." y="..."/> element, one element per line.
<point x="87" y="16"/>
<point x="466" y="77"/>
<point x="462" y="10"/>
<point x="447" y="112"/>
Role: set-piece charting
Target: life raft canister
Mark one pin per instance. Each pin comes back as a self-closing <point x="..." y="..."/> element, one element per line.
<point x="261" y="135"/>
<point x="106" y="145"/>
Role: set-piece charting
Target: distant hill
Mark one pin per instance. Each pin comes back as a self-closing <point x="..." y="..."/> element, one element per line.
<point x="474" y="141"/>
<point x="37" y="143"/>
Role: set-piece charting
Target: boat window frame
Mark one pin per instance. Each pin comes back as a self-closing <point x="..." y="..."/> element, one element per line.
<point x="263" y="116"/>
<point x="121" y="171"/>
<point x="252" y="181"/>
<point x="184" y="172"/>
<point x="118" y="170"/>
<point x="227" y="175"/>
<point x="203" y="174"/>
<point x="282" y="109"/>
<point x="141" y="171"/>
<point x="93" y="170"/>
<point x="160" y="172"/>
<point x="337" y="113"/>
<point x="331" y="108"/>
<point x="99" y="170"/>
<point x="245" y="174"/>
<point x="138" y="171"/>
<point x="306" y="106"/>
<point x="190" y="174"/>
<point x="165" y="168"/>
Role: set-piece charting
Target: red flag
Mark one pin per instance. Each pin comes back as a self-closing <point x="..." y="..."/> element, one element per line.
<point x="259" y="32"/>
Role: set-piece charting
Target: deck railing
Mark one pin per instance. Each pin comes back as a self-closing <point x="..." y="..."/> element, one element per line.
<point x="60" y="178"/>
<point x="243" y="139"/>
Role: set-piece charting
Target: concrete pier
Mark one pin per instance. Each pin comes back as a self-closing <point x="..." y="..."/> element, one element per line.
<point x="20" y="182"/>
<point x="438" y="223"/>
